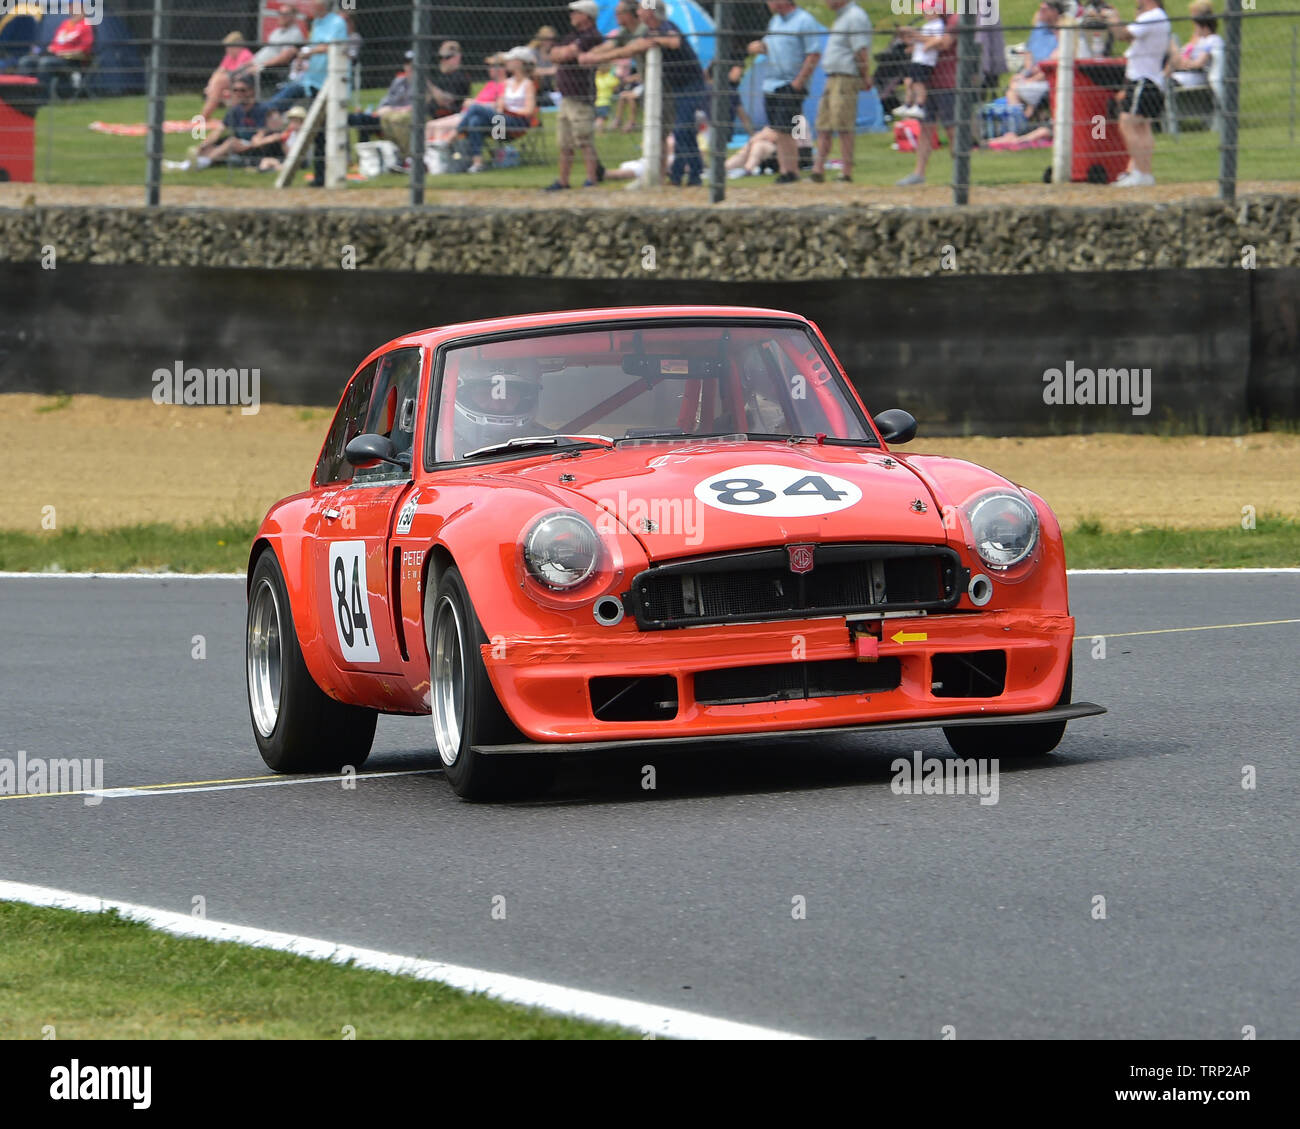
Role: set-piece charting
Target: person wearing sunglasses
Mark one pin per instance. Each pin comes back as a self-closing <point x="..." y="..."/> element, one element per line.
<point x="245" y="120"/>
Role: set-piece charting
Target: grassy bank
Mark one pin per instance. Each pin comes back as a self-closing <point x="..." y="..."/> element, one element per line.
<point x="99" y="976"/>
<point x="223" y="547"/>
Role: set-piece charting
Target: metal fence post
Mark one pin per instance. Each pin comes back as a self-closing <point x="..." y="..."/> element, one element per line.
<point x="157" y="106"/>
<point x="1063" y="112"/>
<point x="721" y="111"/>
<point x="652" y="134"/>
<point x="421" y="30"/>
<point x="966" y="54"/>
<point x="336" y="118"/>
<point x="1231" y="101"/>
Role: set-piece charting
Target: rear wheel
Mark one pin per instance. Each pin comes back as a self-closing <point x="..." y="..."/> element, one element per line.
<point x="1025" y="740"/>
<point x="298" y="727"/>
<point x="466" y="711"/>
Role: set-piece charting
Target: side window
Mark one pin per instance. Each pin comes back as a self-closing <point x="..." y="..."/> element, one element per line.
<point x="391" y="411"/>
<point x="348" y="423"/>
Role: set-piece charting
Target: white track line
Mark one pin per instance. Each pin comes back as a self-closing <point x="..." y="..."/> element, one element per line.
<point x="649" y="1019"/>
<point x="243" y="576"/>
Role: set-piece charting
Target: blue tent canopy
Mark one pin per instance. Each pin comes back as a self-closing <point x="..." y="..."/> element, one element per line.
<point x="694" y="21"/>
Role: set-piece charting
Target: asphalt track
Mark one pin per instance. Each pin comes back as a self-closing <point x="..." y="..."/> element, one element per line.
<point x="922" y="911"/>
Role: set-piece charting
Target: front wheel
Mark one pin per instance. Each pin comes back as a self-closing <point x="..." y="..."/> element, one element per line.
<point x="1024" y="740"/>
<point x="298" y="727"/>
<point x="466" y="711"/>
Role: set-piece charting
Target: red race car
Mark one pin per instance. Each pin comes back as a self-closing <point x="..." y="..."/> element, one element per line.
<point x="564" y="531"/>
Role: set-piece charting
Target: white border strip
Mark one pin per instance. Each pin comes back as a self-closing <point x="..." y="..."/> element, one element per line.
<point x="648" y="1019"/>
<point x="244" y="576"/>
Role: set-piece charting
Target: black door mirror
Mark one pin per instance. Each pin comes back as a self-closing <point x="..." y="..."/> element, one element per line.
<point x="896" y="426"/>
<point x="370" y="448"/>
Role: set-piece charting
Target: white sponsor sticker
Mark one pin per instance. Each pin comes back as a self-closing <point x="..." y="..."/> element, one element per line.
<point x="406" y="517"/>
<point x="351" y="602"/>
<point x="766" y="490"/>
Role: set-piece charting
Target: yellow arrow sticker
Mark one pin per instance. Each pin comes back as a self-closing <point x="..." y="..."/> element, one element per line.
<point x="909" y="637"/>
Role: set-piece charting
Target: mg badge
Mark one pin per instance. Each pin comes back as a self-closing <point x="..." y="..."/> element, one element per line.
<point x="801" y="557"/>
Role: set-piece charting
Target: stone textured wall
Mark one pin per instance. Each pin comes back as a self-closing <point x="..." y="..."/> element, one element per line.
<point x="768" y="244"/>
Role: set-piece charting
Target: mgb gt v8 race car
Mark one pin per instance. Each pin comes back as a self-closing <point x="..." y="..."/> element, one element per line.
<point x="564" y="531"/>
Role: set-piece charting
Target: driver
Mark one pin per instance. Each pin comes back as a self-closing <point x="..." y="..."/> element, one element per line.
<point x="496" y="401"/>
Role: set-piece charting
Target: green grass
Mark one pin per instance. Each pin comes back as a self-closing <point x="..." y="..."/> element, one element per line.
<point x="224" y="548"/>
<point x="100" y="976"/>
<point x="1269" y="148"/>
<point x="1274" y="543"/>
<point x="209" y="548"/>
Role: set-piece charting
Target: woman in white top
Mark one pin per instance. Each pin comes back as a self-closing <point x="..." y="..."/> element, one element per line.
<point x="1191" y="67"/>
<point x="515" y="108"/>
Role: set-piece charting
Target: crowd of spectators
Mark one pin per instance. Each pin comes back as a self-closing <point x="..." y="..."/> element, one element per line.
<point x="595" y="84"/>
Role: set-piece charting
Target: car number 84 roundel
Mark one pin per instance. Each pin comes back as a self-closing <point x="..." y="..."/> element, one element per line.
<point x="351" y="602"/>
<point x="767" y="490"/>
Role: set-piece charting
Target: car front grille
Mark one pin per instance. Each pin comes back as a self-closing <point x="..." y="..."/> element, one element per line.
<point x="759" y="585"/>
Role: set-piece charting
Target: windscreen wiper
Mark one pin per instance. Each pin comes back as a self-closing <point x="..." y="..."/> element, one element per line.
<point x="523" y="442"/>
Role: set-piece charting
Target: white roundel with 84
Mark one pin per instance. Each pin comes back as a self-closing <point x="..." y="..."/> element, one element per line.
<point x="766" y="490"/>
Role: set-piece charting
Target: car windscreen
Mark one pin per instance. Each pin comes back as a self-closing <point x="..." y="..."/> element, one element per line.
<point x="655" y="381"/>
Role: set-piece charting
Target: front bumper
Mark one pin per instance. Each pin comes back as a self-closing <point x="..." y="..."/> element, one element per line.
<point x="544" y="683"/>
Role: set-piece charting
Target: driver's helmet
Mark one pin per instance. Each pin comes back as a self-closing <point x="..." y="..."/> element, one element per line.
<point x="496" y="401"/>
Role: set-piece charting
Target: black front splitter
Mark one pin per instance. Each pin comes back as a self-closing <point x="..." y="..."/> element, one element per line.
<point x="1059" y="713"/>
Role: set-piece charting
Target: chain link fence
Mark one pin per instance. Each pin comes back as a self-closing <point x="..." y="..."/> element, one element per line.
<point x="975" y="94"/>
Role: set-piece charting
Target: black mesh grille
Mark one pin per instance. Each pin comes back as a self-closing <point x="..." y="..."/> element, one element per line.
<point x="793" y="681"/>
<point x="760" y="585"/>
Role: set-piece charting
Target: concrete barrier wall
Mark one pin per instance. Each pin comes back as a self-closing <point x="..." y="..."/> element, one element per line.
<point x="964" y="354"/>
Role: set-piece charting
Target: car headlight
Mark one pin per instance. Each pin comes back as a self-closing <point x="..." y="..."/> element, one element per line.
<point x="1005" y="528"/>
<point x="562" y="550"/>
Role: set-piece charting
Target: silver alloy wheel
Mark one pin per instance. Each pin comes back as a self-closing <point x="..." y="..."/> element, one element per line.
<point x="265" y="669"/>
<point x="447" y="674"/>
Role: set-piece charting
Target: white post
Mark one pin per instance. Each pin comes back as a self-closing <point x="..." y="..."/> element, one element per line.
<point x="336" y="117"/>
<point x="1063" y="117"/>
<point x="652" y="135"/>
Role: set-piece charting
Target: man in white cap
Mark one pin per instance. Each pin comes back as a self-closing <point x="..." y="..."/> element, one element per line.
<point x="576" y="83"/>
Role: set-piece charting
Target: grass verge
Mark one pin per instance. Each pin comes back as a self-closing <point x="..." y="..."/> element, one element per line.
<point x="1275" y="542"/>
<point x="100" y="976"/>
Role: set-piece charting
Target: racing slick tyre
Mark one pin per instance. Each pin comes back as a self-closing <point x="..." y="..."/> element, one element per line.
<point x="466" y="711"/>
<point x="298" y="727"/>
<point x="1024" y="740"/>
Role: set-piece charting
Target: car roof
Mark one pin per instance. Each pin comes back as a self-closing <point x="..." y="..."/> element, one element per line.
<point x="440" y="334"/>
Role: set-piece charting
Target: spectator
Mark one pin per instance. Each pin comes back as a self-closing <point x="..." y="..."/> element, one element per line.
<point x="515" y="107"/>
<point x="755" y="155"/>
<point x="940" y="102"/>
<point x="447" y="92"/>
<point x="397" y="97"/>
<point x="847" y="63"/>
<point x="793" y="45"/>
<point x="627" y="14"/>
<point x="441" y="131"/>
<point x="607" y="85"/>
<point x="1143" y="96"/>
<point x="993" y="49"/>
<point x="245" y="120"/>
<point x="1190" y="67"/>
<point x="71" y="49"/>
<point x="543" y="66"/>
<point x="575" y="83"/>
<point x="281" y="47"/>
<point x="924" y="45"/>
<point x="273" y="161"/>
<point x="237" y="58"/>
<point x="683" y="78"/>
<point x="1028" y="88"/>
<point x="327" y="27"/>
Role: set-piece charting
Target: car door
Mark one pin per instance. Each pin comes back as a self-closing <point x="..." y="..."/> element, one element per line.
<point x="355" y="513"/>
